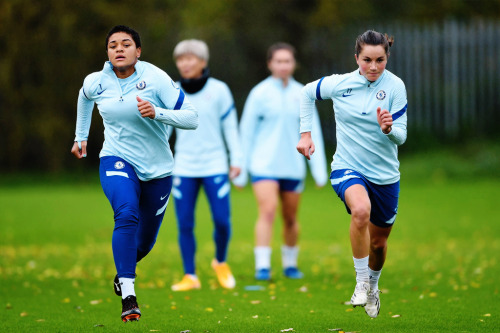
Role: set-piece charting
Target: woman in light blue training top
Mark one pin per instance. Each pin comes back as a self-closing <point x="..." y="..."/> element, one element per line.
<point x="370" y="114"/>
<point x="201" y="159"/>
<point x="269" y="130"/>
<point x="136" y="101"/>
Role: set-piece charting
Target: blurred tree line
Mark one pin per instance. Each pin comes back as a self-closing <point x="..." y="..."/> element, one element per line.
<point x="50" y="46"/>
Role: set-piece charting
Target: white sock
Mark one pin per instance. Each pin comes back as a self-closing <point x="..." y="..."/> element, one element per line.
<point x="289" y="256"/>
<point x="262" y="257"/>
<point x="361" y="267"/>
<point x="127" y="287"/>
<point x="374" y="276"/>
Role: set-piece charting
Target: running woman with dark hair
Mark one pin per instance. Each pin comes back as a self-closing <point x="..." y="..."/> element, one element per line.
<point x="137" y="101"/>
<point x="370" y="114"/>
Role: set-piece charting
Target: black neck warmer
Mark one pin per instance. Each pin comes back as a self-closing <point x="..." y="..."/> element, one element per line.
<point x="192" y="86"/>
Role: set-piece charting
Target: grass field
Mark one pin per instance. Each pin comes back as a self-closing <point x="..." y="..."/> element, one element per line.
<point x="441" y="275"/>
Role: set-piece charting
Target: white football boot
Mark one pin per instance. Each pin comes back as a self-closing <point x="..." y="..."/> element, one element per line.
<point x="360" y="295"/>
<point x="372" y="307"/>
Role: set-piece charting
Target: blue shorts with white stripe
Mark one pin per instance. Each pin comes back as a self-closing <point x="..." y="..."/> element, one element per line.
<point x="383" y="198"/>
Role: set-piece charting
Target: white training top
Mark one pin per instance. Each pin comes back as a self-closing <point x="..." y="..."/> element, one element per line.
<point x="269" y="131"/>
<point x="142" y="142"/>
<point x="204" y="152"/>
<point x="361" y="144"/>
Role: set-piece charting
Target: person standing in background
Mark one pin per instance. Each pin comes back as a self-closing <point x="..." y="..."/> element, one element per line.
<point x="269" y="130"/>
<point x="202" y="160"/>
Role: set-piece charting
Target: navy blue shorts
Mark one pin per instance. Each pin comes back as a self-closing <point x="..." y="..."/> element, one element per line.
<point x="285" y="184"/>
<point x="383" y="198"/>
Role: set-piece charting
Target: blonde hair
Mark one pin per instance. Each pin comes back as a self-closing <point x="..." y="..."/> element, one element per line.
<point x="192" y="46"/>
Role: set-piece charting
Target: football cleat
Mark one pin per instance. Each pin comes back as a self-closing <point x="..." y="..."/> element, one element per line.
<point x="188" y="282"/>
<point x="224" y="275"/>
<point x="293" y="273"/>
<point x="360" y="295"/>
<point x="263" y="274"/>
<point x="372" y="307"/>
<point x="116" y="286"/>
<point x="130" y="309"/>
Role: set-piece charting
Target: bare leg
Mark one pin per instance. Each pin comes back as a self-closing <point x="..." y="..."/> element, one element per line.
<point x="378" y="246"/>
<point x="359" y="203"/>
<point x="266" y="193"/>
<point x="290" y="203"/>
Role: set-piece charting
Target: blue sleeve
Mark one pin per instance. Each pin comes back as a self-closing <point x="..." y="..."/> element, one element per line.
<point x="177" y="111"/>
<point x="398" y="110"/>
<point x="321" y="89"/>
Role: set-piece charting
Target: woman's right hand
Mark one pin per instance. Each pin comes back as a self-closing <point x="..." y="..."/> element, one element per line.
<point x="306" y="145"/>
<point x="79" y="153"/>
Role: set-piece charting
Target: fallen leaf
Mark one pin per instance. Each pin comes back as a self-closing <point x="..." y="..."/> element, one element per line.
<point x="255" y="302"/>
<point x="98" y="325"/>
<point x="288" y="330"/>
<point x="335" y="329"/>
<point x="303" y="289"/>
<point x="255" y="317"/>
<point x="40" y="320"/>
<point x="154" y="330"/>
<point x="8" y="306"/>
<point x="487" y="315"/>
<point x="312" y="311"/>
<point x="95" y="301"/>
<point x="396" y="316"/>
<point x="66" y="300"/>
<point x="347" y="303"/>
<point x="209" y="309"/>
<point x="433" y="294"/>
<point x="349" y="310"/>
<point x="173" y="307"/>
<point x="186" y="331"/>
<point x="23" y="314"/>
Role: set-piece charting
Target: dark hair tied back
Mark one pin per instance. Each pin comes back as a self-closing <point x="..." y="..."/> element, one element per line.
<point x="123" y="28"/>
<point x="371" y="37"/>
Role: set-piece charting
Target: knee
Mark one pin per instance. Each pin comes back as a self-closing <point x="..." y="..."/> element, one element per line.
<point x="186" y="228"/>
<point x="126" y="216"/>
<point x="360" y="215"/>
<point x="378" y="244"/>
<point x="289" y="221"/>
<point x="267" y="214"/>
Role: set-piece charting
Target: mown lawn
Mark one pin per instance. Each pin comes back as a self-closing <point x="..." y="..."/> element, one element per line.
<point x="441" y="274"/>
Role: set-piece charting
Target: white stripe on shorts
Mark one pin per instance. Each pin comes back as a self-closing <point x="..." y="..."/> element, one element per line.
<point x="117" y="173"/>
<point x="337" y="181"/>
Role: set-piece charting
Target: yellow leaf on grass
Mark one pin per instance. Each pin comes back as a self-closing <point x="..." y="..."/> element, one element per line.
<point x="66" y="300"/>
<point x="396" y="316"/>
<point x="23" y="314"/>
<point x="349" y="310"/>
<point x="433" y="294"/>
<point x="95" y="301"/>
<point x="209" y="309"/>
<point x="487" y="315"/>
<point x="255" y="302"/>
<point x="40" y="320"/>
<point x="255" y="317"/>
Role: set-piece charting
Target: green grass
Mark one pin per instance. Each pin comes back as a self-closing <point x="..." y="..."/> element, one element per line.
<point x="441" y="274"/>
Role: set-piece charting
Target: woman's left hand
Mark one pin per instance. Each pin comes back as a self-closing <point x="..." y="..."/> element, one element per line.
<point x="234" y="172"/>
<point x="384" y="119"/>
<point x="146" y="109"/>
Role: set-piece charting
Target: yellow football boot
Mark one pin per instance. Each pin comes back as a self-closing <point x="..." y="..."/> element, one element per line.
<point x="188" y="282"/>
<point x="224" y="275"/>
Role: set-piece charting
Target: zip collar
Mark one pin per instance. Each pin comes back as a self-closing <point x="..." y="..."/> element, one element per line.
<point x="371" y="84"/>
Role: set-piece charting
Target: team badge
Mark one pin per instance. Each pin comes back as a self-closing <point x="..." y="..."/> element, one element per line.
<point x="119" y="165"/>
<point x="141" y="85"/>
<point x="380" y="95"/>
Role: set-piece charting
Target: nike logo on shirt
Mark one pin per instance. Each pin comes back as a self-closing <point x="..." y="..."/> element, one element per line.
<point x="100" y="91"/>
<point x="161" y="198"/>
<point x="344" y="95"/>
